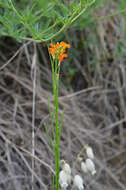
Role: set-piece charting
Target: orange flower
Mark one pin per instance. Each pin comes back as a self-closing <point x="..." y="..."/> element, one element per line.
<point x="62" y="56"/>
<point x="59" y="50"/>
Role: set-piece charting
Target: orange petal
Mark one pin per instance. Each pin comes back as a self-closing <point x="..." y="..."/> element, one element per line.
<point x="65" y="45"/>
<point x="62" y="56"/>
<point x="68" y="45"/>
<point x="52" y="51"/>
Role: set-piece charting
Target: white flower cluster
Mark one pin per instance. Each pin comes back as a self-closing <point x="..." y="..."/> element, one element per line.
<point x="88" y="165"/>
<point x="65" y="176"/>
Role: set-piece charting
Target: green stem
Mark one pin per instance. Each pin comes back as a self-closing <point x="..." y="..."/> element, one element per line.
<point x="55" y="73"/>
<point x="57" y="145"/>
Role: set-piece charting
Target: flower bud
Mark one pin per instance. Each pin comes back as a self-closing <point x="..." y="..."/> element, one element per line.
<point x="89" y="152"/>
<point x="78" y="182"/>
<point x="90" y="166"/>
<point x="63" y="180"/>
<point x="66" y="168"/>
<point x="84" y="167"/>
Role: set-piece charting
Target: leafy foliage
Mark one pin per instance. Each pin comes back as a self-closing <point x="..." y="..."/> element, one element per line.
<point x="39" y="20"/>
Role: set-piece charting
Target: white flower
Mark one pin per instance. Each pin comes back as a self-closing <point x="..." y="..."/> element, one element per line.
<point x="89" y="152"/>
<point x="64" y="179"/>
<point x="90" y="166"/>
<point x="68" y="178"/>
<point x="84" y="167"/>
<point x="78" y="182"/>
<point x="66" y="168"/>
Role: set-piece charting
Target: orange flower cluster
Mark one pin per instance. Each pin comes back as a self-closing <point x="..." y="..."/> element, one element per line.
<point x="59" y="50"/>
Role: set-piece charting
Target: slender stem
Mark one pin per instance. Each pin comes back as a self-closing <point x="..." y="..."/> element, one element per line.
<point x="55" y="73"/>
<point x="57" y="147"/>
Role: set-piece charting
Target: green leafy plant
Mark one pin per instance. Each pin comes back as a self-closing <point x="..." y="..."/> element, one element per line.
<point x="40" y="20"/>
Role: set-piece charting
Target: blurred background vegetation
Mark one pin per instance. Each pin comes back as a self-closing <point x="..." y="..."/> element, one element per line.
<point x="92" y="88"/>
